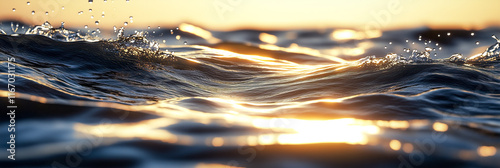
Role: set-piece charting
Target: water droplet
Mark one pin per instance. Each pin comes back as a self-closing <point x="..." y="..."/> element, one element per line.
<point x="439" y="35"/>
<point x="62" y="25"/>
<point x="62" y="8"/>
<point x="440" y="48"/>
<point x="149" y="27"/>
<point x="448" y="34"/>
<point x="164" y="42"/>
<point x="32" y="12"/>
<point x="125" y="23"/>
<point x="407" y="40"/>
<point x="92" y="16"/>
<point x="171" y="31"/>
<point x="477" y="42"/>
<point x="178" y="37"/>
<point x="81" y="12"/>
<point x="90" y="10"/>
<point x="96" y="22"/>
<point x="471" y="34"/>
<point x="13" y="9"/>
<point x="385" y="47"/>
<point x="128" y="0"/>
<point x="428" y="49"/>
<point x="435" y="54"/>
<point x="390" y="43"/>
<point x="412" y="42"/>
<point x="437" y="44"/>
<point x="46" y="13"/>
<point x="495" y="37"/>
<point x="185" y="42"/>
<point x="28" y="3"/>
<point x="425" y="43"/>
<point x="86" y="26"/>
<point x="90" y="1"/>
<point x="131" y="17"/>
<point x="159" y="27"/>
<point x="114" y="28"/>
<point x="430" y="41"/>
<point x="102" y="15"/>
<point x="177" y="28"/>
<point x="154" y="32"/>
<point x="105" y="0"/>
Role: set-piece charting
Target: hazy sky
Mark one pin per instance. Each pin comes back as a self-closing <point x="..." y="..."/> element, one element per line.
<point x="260" y="14"/>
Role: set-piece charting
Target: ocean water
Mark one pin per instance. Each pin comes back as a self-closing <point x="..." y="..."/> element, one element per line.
<point x="251" y="98"/>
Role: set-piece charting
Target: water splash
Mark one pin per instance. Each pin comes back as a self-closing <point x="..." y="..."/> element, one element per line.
<point x="490" y="55"/>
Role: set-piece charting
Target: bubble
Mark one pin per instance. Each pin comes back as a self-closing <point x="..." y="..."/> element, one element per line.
<point x="125" y="23"/>
<point x="90" y="1"/>
<point x="96" y="22"/>
<point x="28" y="3"/>
<point x="131" y="17"/>
<point x="477" y="42"/>
<point x="448" y="34"/>
<point x="471" y="34"/>
<point x="185" y="42"/>
<point x="13" y="9"/>
<point x="32" y="12"/>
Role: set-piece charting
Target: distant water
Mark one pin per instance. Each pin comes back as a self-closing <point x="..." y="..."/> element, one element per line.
<point x="249" y="98"/>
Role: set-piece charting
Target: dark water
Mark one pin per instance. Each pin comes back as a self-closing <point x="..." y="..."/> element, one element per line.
<point x="309" y="100"/>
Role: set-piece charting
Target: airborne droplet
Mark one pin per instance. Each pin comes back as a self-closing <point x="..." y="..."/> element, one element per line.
<point x="448" y="34"/>
<point x="28" y="3"/>
<point x="125" y="23"/>
<point x="46" y="13"/>
<point x="131" y="17"/>
<point x="471" y="34"/>
<point x="32" y="12"/>
<point x="90" y="1"/>
<point x="96" y="22"/>
<point x="86" y="26"/>
<point x="90" y="10"/>
<point x="477" y="42"/>
<point x="13" y="9"/>
<point x="185" y="42"/>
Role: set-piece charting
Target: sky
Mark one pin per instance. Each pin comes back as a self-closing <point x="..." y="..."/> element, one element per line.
<point x="258" y="14"/>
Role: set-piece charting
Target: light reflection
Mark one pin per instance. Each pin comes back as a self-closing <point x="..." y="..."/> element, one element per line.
<point x="440" y="127"/>
<point x="199" y="32"/>
<point x="347" y="130"/>
<point x="486" y="151"/>
<point x="268" y="38"/>
<point x="347" y="34"/>
<point x="395" y="145"/>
